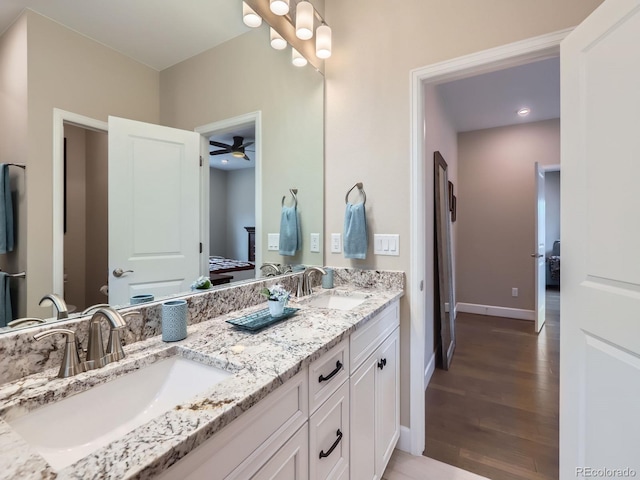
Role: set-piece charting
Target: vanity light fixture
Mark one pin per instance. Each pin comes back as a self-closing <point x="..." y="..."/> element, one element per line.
<point x="323" y="41"/>
<point x="277" y="41"/>
<point x="524" y="111"/>
<point x="250" y="17"/>
<point x="297" y="59"/>
<point x="279" y="7"/>
<point x="304" y="20"/>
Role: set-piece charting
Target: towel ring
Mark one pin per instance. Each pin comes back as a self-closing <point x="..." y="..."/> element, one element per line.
<point x="293" y="194"/>
<point x="364" y="195"/>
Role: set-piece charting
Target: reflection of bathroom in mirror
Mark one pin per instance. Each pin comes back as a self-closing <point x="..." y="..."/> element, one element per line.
<point x="445" y="324"/>
<point x="240" y="76"/>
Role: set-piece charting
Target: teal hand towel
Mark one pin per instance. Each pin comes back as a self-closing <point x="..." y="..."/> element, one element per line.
<point x="355" y="231"/>
<point x="6" y="211"/>
<point x="289" y="231"/>
<point x="6" y="314"/>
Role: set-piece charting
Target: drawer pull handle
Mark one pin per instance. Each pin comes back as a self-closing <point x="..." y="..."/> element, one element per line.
<point x="322" y="378"/>
<point x="382" y="363"/>
<point x="333" y="447"/>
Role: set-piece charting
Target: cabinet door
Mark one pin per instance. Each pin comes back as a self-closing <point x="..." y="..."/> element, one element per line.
<point x="363" y="420"/>
<point x="291" y="462"/>
<point x="387" y="400"/>
<point x="329" y="437"/>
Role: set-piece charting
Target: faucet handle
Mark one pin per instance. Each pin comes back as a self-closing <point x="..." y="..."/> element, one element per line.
<point x="70" y="361"/>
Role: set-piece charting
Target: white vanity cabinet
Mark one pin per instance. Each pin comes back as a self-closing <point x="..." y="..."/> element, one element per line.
<point x="337" y="419"/>
<point x="375" y="395"/>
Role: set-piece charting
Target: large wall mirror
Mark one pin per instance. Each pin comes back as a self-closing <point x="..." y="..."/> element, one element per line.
<point x="445" y="303"/>
<point x="237" y="78"/>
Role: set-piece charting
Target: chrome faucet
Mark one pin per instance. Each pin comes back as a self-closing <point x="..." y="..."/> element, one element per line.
<point x="57" y="302"/>
<point x="304" y="282"/>
<point x="96" y="356"/>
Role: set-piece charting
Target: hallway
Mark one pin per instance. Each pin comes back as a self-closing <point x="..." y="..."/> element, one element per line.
<point x="495" y="412"/>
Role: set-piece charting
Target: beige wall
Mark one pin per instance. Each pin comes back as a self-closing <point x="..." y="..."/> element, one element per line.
<point x="73" y="73"/>
<point x="245" y="75"/>
<point x="441" y="137"/>
<point x="241" y="206"/>
<point x="14" y="147"/>
<point x="496" y="211"/>
<point x="376" y="44"/>
<point x="552" y="209"/>
<point x="217" y="212"/>
<point x="97" y="248"/>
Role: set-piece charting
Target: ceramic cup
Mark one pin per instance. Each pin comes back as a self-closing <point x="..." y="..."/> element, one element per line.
<point x="327" y="278"/>
<point x="276" y="307"/>
<point x="142" y="298"/>
<point x="174" y="320"/>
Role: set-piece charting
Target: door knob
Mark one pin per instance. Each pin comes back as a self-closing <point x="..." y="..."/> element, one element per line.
<point x="118" y="272"/>
<point x="537" y="255"/>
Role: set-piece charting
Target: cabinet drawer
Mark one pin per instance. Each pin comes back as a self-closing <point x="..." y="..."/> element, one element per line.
<point x="260" y="431"/>
<point x="291" y="462"/>
<point x="327" y="373"/>
<point x="329" y="437"/>
<point x="365" y="340"/>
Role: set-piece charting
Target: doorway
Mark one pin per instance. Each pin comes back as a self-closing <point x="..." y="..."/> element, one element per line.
<point x="421" y="279"/>
<point x="86" y="233"/>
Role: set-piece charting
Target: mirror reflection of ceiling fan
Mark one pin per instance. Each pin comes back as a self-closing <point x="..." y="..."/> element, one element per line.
<point x="237" y="149"/>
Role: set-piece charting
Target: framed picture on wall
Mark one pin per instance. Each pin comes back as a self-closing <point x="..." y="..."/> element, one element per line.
<point x="453" y="208"/>
<point x="450" y="197"/>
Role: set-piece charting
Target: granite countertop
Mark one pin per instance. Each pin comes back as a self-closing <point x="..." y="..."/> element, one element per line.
<point x="260" y="362"/>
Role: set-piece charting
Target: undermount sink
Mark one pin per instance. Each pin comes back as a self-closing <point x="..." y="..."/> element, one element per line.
<point x="72" y="428"/>
<point x="337" y="301"/>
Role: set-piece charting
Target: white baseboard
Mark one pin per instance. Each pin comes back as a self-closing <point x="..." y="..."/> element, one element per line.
<point x="430" y="368"/>
<point x="518" y="313"/>
<point x="404" y="442"/>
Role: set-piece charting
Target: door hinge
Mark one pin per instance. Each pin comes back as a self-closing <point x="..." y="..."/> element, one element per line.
<point x="200" y="247"/>
<point x="201" y="160"/>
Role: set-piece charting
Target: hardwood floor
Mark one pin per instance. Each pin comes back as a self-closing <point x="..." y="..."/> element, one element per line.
<point x="404" y="466"/>
<point x="495" y="412"/>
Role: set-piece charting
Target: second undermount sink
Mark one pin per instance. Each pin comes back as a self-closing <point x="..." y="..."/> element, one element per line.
<point x="72" y="428"/>
<point x="337" y="301"/>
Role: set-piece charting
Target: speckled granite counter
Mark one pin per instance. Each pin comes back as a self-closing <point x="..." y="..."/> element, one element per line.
<point x="260" y="362"/>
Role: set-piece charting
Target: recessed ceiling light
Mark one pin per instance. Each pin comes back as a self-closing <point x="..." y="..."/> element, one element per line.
<point x="224" y="161"/>
<point x="524" y="111"/>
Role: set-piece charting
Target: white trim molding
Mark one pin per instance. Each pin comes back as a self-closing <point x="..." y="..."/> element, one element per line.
<point x="494" y="311"/>
<point x="505" y="56"/>
<point x="429" y="369"/>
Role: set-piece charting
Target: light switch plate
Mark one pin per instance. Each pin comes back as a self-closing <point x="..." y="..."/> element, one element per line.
<point x="386" y="244"/>
<point x="336" y="243"/>
<point x="315" y="242"/>
<point x="273" y="242"/>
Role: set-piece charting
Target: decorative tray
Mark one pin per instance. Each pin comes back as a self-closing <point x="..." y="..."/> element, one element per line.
<point x="260" y="319"/>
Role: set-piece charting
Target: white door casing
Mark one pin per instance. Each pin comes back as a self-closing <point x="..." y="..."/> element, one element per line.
<point x="539" y="253"/>
<point x="154" y="209"/>
<point x="600" y="283"/>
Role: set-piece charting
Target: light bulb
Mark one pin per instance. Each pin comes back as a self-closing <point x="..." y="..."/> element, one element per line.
<point x="524" y="111"/>
<point x="277" y="41"/>
<point x="279" y="7"/>
<point x="304" y="20"/>
<point x="297" y="59"/>
<point x="250" y="17"/>
<point x="323" y="41"/>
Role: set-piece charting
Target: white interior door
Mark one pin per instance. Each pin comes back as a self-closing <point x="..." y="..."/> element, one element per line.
<point x="600" y="311"/>
<point x="154" y="209"/>
<point x="539" y="254"/>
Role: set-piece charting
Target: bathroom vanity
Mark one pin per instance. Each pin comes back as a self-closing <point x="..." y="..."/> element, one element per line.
<point x="315" y="396"/>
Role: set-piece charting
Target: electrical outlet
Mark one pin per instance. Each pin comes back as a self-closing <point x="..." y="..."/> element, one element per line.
<point x="315" y="242"/>
<point x="514" y="292"/>
<point x="336" y="243"/>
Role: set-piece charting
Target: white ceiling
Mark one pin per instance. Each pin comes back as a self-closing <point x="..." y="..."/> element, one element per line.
<point x="492" y="99"/>
<point x="157" y="33"/>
